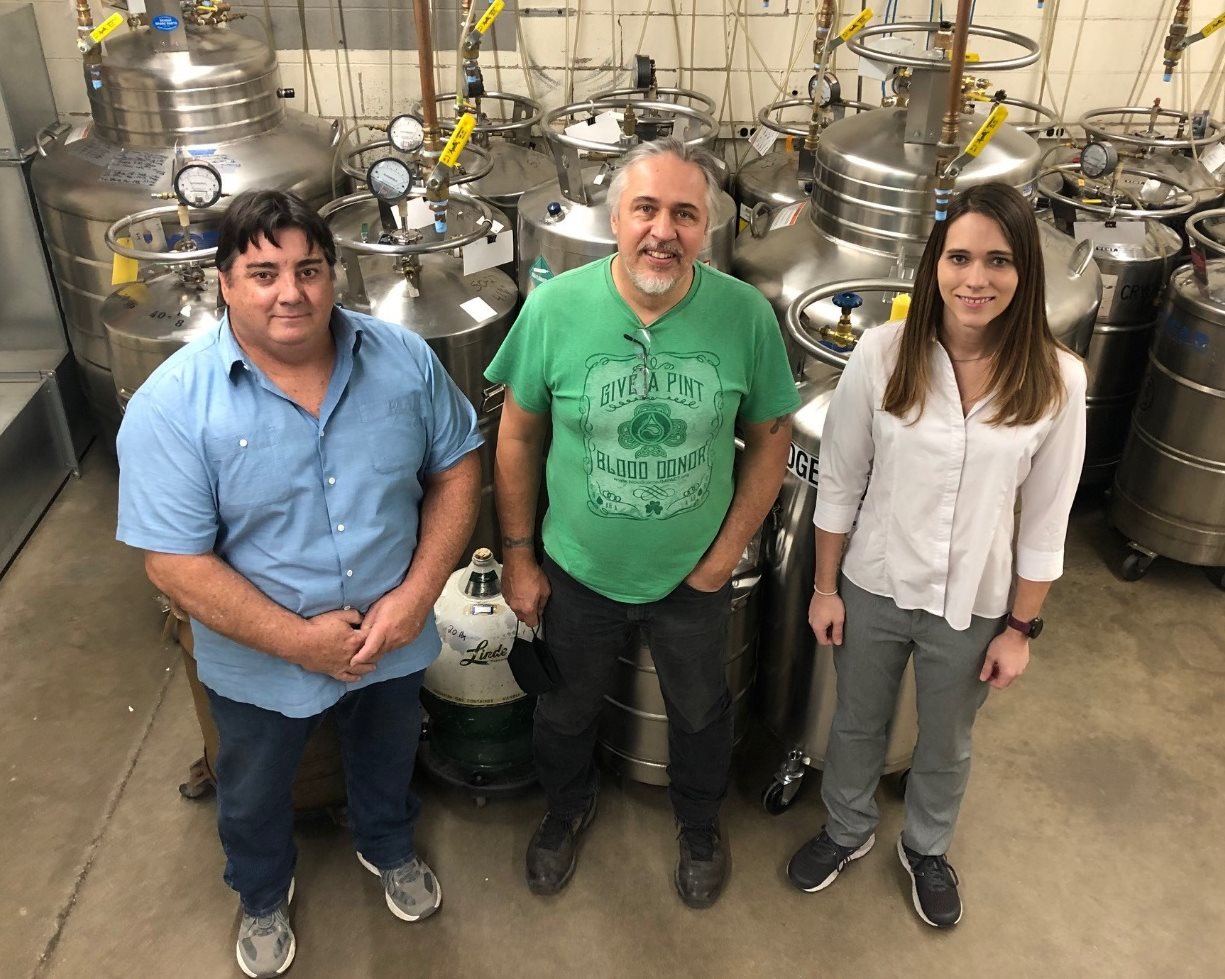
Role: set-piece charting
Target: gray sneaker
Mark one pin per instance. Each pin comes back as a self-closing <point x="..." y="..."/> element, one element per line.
<point x="413" y="892"/>
<point x="266" y="944"/>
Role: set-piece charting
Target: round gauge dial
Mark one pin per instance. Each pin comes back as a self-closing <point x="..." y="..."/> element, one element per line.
<point x="406" y="133"/>
<point x="1098" y="159"/>
<point x="197" y="185"/>
<point x="824" y="89"/>
<point x="389" y="179"/>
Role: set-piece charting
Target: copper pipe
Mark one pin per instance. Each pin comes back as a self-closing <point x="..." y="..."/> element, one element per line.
<point x="952" y="112"/>
<point x="85" y="17"/>
<point x="820" y="51"/>
<point x="425" y="52"/>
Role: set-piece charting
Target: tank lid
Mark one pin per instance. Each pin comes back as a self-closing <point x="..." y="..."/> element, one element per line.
<point x="223" y="87"/>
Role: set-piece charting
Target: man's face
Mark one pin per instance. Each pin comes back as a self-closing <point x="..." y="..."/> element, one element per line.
<point x="280" y="296"/>
<point x="660" y="224"/>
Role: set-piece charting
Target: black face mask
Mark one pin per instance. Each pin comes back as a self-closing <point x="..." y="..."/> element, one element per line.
<point x="532" y="664"/>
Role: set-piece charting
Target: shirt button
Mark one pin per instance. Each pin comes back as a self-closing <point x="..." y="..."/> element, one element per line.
<point x="340" y="527"/>
<point x="349" y="573"/>
<point x="331" y="480"/>
<point x="243" y="443"/>
<point x="347" y="607"/>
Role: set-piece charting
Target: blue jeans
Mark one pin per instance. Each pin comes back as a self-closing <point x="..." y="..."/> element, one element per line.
<point x="258" y="759"/>
<point x="586" y="632"/>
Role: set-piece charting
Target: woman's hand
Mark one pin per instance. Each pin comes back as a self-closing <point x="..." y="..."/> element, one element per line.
<point x="826" y="615"/>
<point x="1007" y="657"/>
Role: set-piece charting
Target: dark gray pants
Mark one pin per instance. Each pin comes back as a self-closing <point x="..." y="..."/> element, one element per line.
<point x="586" y="632"/>
<point x="877" y="643"/>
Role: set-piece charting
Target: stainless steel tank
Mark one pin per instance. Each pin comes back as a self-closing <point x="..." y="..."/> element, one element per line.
<point x="633" y="736"/>
<point x="871" y="212"/>
<point x="564" y="223"/>
<point x="1169" y="490"/>
<point x="219" y="100"/>
<point x="422" y="286"/>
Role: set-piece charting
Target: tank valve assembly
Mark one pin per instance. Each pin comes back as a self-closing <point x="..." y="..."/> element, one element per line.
<point x="948" y="176"/>
<point x="470" y="50"/>
<point x="824" y="91"/>
<point x="840" y="336"/>
<point x="1177" y="40"/>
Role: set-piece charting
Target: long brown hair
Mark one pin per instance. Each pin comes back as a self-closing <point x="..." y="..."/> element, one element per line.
<point x="1025" y="378"/>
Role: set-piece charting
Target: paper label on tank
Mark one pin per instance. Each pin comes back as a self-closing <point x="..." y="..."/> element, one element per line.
<point x="221" y="162"/>
<point x="94" y="151"/>
<point x="497" y="249"/>
<point x="1213" y="158"/>
<point x="136" y="168"/>
<point x="878" y="70"/>
<point x="1110" y="232"/>
<point x="604" y="128"/>
<point x="763" y="140"/>
<point x="785" y="217"/>
<point x="478" y="309"/>
<point x="417" y="213"/>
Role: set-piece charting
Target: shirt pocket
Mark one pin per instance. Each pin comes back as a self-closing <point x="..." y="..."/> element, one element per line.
<point x="395" y="433"/>
<point x="253" y="469"/>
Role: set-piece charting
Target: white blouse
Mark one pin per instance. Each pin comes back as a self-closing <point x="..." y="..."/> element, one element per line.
<point x="937" y="521"/>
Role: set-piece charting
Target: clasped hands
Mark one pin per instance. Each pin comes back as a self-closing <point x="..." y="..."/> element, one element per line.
<point x="346" y="645"/>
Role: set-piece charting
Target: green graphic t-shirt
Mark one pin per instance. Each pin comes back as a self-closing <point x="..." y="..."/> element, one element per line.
<point x="639" y="472"/>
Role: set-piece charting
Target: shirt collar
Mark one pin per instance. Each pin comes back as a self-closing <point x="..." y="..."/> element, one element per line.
<point x="345" y="331"/>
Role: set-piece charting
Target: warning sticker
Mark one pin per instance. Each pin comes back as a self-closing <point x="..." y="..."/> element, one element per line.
<point x="540" y="271"/>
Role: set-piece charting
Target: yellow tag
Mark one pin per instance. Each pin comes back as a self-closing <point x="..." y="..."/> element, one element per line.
<point x="900" y="306"/>
<point x="978" y="96"/>
<point x="457" y="142"/>
<point x="1216" y="25"/>
<point x="972" y="58"/>
<point x="857" y="25"/>
<point x="490" y="15"/>
<point x="102" y="30"/>
<point x="987" y="130"/>
<point x="124" y="269"/>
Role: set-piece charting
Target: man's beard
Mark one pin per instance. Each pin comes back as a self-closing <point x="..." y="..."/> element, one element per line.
<point x="655" y="283"/>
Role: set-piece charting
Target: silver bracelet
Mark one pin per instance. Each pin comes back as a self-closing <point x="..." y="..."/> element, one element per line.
<point x="824" y="594"/>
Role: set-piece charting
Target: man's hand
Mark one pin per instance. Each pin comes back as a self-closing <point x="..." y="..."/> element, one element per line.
<point x="1007" y="657"/>
<point x="393" y="621"/>
<point x="332" y="639"/>
<point x="708" y="578"/>
<point x="827" y="616"/>
<point x="525" y="586"/>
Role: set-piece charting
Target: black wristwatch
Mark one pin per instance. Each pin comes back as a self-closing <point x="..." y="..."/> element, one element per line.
<point x="1030" y="628"/>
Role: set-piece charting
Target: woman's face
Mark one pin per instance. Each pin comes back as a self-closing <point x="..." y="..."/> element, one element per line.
<point x="976" y="273"/>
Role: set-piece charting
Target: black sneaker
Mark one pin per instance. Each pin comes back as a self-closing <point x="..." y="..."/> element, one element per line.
<point x="701" y="870"/>
<point x="933" y="886"/>
<point x="553" y="851"/>
<point x="818" y="862"/>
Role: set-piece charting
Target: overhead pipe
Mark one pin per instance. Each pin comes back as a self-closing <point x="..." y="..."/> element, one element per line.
<point x="425" y="57"/>
<point x="947" y="148"/>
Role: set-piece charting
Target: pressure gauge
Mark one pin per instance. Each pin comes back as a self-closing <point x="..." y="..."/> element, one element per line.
<point x="389" y="179"/>
<point x="644" y="69"/>
<point x="406" y="133"/>
<point x="197" y="185"/>
<point x="1098" y="159"/>
<point x="824" y="89"/>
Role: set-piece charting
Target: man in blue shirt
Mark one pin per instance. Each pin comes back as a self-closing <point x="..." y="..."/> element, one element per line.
<point x="303" y="479"/>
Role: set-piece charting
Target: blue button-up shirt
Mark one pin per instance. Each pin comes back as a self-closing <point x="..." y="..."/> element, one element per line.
<point x="317" y="513"/>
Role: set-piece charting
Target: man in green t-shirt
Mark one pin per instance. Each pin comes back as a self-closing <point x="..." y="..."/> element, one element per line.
<point x="642" y="367"/>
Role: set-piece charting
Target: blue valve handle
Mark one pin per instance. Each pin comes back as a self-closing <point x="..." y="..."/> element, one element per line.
<point x="848" y="300"/>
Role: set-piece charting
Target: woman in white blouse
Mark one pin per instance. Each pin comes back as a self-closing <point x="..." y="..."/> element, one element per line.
<point x="939" y="425"/>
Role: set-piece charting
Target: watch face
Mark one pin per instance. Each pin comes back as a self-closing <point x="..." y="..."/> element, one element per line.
<point x="1035" y="628"/>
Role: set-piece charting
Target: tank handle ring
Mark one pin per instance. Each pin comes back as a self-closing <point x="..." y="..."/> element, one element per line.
<point x="1193" y="231"/>
<point x="799" y="332"/>
<point x="697" y="100"/>
<point x="482" y="229"/>
<point x="1115" y="213"/>
<point x="527" y="123"/>
<point x="198" y="255"/>
<point x="1088" y="122"/>
<point x="335" y="134"/>
<point x="765" y="114"/>
<point x="857" y="46"/>
<point x="469" y="174"/>
<point x="672" y="109"/>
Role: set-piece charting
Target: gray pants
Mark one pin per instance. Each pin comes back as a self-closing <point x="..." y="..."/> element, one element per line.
<point x="877" y="642"/>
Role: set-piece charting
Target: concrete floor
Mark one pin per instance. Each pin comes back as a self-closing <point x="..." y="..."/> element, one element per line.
<point x="1090" y="840"/>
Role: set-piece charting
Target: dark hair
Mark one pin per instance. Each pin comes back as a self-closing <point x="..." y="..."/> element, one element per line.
<point x="256" y="214"/>
<point x="1025" y="377"/>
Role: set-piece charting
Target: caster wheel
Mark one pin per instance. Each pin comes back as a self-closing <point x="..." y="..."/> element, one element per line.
<point x="774" y="799"/>
<point x="1134" y="566"/>
<point x="1216" y="576"/>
